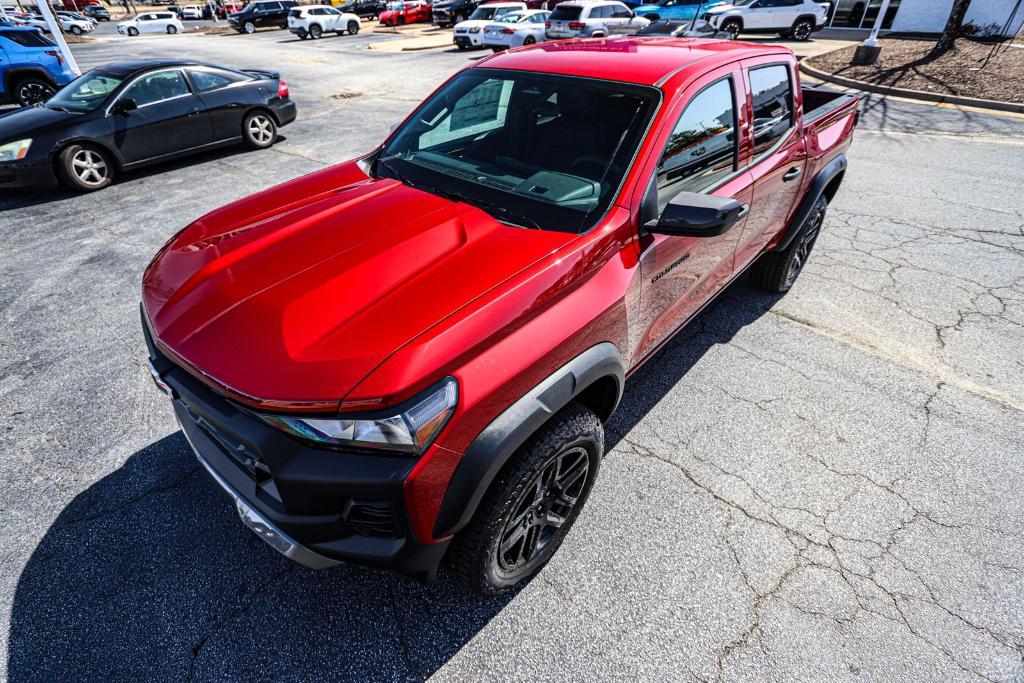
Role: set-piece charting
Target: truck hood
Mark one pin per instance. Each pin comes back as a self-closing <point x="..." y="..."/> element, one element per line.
<point x="296" y="303"/>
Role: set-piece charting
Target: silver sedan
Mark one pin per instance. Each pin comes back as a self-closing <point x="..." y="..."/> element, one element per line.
<point x="515" y="29"/>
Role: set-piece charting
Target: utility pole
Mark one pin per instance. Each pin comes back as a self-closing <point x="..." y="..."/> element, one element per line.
<point x="868" y="51"/>
<point x="58" y="36"/>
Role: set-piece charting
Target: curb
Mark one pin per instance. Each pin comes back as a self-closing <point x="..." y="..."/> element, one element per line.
<point x="995" y="105"/>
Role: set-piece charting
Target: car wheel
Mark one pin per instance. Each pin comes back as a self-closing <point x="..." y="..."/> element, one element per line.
<point x="132" y="31"/>
<point x="353" y="28"/>
<point x="802" y="29"/>
<point x="171" y="30"/>
<point x="529" y="40"/>
<point x="84" y="168"/>
<point x="259" y="130"/>
<point x="315" y="32"/>
<point x="249" y="27"/>
<point x="76" y="30"/>
<point x="531" y="505"/>
<point x="732" y="27"/>
<point x="29" y="91"/>
<point x="301" y="33"/>
<point x="776" y="271"/>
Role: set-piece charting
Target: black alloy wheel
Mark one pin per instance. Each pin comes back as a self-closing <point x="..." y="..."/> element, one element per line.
<point x="802" y="29"/>
<point x="29" y="91"/>
<point x="732" y="27"/>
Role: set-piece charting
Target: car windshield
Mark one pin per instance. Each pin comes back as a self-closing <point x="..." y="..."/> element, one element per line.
<point x="566" y="13"/>
<point x="533" y="150"/>
<point x="513" y="18"/>
<point x="85" y="93"/>
<point x="485" y="12"/>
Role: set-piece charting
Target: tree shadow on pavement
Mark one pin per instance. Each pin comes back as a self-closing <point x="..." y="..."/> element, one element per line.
<point x="149" y="575"/>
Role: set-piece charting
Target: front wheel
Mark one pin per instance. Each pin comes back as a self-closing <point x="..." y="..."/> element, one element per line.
<point x="259" y="130"/>
<point x="76" y="30"/>
<point x="531" y="505"/>
<point x="84" y="168"/>
<point x="732" y="27"/>
<point x="776" y="271"/>
<point x="249" y="27"/>
<point x="132" y="31"/>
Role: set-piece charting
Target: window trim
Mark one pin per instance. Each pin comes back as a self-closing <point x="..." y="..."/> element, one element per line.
<point x="737" y="169"/>
<point x="754" y="160"/>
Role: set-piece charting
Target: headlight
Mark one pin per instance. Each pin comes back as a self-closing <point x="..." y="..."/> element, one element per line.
<point x="475" y="29"/>
<point x="14" y="151"/>
<point x="411" y="431"/>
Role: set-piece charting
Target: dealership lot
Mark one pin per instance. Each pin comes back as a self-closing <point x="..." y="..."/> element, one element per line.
<point x="823" y="485"/>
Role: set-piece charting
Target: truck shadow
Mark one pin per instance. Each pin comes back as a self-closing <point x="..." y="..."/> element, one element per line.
<point x="148" y="574"/>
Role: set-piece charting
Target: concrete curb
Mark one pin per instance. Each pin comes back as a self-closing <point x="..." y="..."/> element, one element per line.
<point x="995" y="105"/>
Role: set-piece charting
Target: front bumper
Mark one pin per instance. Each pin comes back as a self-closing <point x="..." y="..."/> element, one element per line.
<point x="469" y="39"/>
<point x="27" y="173"/>
<point x="318" y="507"/>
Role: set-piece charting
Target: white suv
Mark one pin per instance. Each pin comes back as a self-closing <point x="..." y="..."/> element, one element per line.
<point x="310" y="21"/>
<point x="791" y="18"/>
<point x="592" y="19"/>
<point x="151" y="22"/>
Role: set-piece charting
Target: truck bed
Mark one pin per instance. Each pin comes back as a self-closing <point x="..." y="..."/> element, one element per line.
<point x="820" y="102"/>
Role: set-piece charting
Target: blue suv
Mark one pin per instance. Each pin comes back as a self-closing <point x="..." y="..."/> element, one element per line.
<point x="31" y="66"/>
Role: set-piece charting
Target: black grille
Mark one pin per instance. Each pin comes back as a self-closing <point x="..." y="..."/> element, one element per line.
<point x="372" y="518"/>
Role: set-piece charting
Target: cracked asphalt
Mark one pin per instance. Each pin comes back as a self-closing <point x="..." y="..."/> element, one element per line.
<point x="823" y="486"/>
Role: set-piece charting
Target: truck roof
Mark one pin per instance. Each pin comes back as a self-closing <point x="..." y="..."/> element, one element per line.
<point x="644" y="60"/>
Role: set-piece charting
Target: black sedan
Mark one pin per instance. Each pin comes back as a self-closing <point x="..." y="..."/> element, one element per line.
<point x="131" y="114"/>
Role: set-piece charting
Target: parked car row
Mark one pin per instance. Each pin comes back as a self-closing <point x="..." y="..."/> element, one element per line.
<point x="128" y="115"/>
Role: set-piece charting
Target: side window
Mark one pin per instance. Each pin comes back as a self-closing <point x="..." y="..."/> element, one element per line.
<point x="772" y="95"/>
<point x="482" y="109"/>
<point x="210" y="80"/>
<point x="162" y="85"/>
<point x="702" y="147"/>
<point x="621" y="12"/>
<point x="603" y="12"/>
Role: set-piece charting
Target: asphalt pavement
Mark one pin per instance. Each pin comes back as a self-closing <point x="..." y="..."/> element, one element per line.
<point x="826" y="485"/>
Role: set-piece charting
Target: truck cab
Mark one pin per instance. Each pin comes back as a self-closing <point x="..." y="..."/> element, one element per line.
<point x="408" y="358"/>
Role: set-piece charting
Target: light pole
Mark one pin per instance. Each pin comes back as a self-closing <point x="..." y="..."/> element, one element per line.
<point x="868" y="51"/>
<point x="51" y="21"/>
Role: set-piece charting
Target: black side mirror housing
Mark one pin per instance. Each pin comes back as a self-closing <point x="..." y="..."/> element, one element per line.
<point x="125" y="105"/>
<point x="691" y="214"/>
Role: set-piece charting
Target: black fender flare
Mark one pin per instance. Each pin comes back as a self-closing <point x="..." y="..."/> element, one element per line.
<point x="830" y="172"/>
<point x="493" y="447"/>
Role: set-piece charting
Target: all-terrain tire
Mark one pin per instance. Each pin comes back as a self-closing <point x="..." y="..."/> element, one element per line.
<point x="571" y="439"/>
<point x="776" y="271"/>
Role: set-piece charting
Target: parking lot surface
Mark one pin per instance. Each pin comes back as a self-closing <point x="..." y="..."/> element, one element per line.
<point x="822" y="486"/>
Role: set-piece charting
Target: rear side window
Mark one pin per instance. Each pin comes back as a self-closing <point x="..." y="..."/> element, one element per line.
<point x="701" y="150"/>
<point x="562" y="13"/>
<point x="772" y="95"/>
<point x="27" y="38"/>
<point x="210" y="79"/>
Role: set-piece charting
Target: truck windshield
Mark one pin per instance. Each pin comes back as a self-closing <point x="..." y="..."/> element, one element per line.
<point x="533" y="150"/>
<point x="85" y="93"/>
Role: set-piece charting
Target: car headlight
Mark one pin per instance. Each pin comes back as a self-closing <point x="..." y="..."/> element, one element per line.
<point x="475" y="29"/>
<point x="411" y="431"/>
<point x="13" y="151"/>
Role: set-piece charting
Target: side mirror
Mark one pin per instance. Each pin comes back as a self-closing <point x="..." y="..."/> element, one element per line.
<point x="698" y="215"/>
<point x="125" y="105"/>
<point x="632" y="14"/>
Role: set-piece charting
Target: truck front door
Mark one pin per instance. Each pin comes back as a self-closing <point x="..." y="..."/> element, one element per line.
<point x="700" y="153"/>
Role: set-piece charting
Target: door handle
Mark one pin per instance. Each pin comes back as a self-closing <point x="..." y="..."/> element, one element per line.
<point x="792" y="174"/>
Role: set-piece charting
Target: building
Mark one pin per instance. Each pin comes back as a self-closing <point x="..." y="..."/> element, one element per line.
<point x="927" y="16"/>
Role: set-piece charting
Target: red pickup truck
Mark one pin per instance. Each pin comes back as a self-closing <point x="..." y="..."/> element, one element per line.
<point x="408" y="357"/>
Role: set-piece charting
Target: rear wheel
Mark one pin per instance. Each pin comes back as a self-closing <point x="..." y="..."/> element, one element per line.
<point x="31" y="90"/>
<point x="777" y="271"/>
<point x="732" y="27"/>
<point x="531" y="505"/>
<point x="259" y="130"/>
<point x="302" y="34"/>
<point x="802" y="29"/>
<point x="84" y="168"/>
<point x="77" y="30"/>
<point x="529" y="40"/>
<point x="353" y="28"/>
<point x="171" y="30"/>
<point x="315" y="32"/>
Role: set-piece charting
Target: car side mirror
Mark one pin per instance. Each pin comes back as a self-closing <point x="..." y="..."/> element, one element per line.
<point x="692" y="214"/>
<point x="125" y="105"/>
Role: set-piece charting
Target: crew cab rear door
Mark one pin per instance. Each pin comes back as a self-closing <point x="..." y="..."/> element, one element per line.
<point x="779" y="151"/>
<point x="698" y="150"/>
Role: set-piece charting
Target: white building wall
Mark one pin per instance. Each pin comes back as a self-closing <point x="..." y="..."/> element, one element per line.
<point x="929" y="16"/>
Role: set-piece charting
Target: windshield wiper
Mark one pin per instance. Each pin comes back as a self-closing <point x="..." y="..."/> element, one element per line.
<point x="497" y="211"/>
